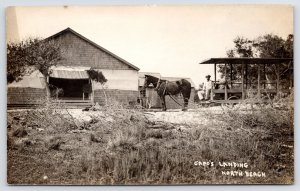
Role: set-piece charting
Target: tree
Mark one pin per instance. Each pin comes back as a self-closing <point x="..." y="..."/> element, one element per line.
<point x="29" y="55"/>
<point x="98" y="76"/>
<point x="267" y="46"/>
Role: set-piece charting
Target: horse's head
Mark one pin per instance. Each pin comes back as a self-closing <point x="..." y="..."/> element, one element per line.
<point x="146" y="82"/>
<point x="151" y="80"/>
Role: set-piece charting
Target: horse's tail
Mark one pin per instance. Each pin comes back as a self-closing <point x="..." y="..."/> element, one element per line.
<point x="186" y="88"/>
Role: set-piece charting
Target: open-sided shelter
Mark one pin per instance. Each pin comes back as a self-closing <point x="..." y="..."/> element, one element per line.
<point x="235" y="90"/>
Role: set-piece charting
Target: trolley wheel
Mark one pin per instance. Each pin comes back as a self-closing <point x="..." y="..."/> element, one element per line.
<point x="231" y="105"/>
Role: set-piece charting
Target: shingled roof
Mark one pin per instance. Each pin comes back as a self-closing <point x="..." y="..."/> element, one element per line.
<point x="93" y="44"/>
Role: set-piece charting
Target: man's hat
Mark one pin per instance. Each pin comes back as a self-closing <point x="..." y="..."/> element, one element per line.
<point x="208" y="76"/>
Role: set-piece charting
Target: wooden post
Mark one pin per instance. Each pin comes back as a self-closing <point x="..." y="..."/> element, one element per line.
<point x="290" y="75"/>
<point x="265" y="79"/>
<point x="277" y="79"/>
<point x="226" y="82"/>
<point x="215" y="69"/>
<point x="242" y="74"/>
<point x="250" y="81"/>
<point x="230" y="75"/>
<point x="213" y="84"/>
<point x="246" y="76"/>
<point x="258" y="80"/>
<point x="93" y="94"/>
<point x="211" y="91"/>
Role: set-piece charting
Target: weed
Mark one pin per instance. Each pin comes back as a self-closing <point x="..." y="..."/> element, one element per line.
<point x="119" y="145"/>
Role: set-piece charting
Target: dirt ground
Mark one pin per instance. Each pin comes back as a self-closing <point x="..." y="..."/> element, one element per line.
<point x="123" y="146"/>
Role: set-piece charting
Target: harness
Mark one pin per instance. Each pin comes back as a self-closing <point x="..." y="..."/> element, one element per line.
<point x="158" y="84"/>
<point x="165" y="89"/>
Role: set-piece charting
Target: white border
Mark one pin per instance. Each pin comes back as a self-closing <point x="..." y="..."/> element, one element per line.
<point x="3" y="94"/>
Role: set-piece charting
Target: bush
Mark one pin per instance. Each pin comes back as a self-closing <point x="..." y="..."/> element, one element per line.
<point x="123" y="146"/>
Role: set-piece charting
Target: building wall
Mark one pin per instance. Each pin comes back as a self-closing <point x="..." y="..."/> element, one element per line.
<point x="25" y="96"/>
<point x="119" y="79"/>
<point x="33" y="80"/>
<point x="28" y="91"/>
<point x="154" y="101"/>
<point x="79" y="52"/>
<point x="122" y="96"/>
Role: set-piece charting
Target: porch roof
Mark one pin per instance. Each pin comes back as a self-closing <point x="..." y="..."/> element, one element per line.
<point x="70" y="72"/>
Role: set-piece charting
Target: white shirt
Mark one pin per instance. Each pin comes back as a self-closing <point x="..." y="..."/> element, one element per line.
<point x="207" y="85"/>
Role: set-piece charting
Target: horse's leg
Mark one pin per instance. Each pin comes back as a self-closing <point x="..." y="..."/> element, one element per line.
<point x="163" y="101"/>
<point x="186" y="93"/>
<point x="186" y="102"/>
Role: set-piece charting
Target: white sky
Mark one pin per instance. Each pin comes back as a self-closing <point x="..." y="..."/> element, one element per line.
<point x="171" y="40"/>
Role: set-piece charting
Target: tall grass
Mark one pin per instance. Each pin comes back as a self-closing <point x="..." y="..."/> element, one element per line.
<point x="122" y="146"/>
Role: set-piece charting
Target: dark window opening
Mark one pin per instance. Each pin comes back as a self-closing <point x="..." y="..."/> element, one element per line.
<point x="70" y="88"/>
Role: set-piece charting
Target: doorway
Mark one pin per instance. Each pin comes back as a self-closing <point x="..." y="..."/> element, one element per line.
<point x="70" y="89"/>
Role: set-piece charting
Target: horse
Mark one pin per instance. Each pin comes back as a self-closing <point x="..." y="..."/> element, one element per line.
<point x="164" y="87"/>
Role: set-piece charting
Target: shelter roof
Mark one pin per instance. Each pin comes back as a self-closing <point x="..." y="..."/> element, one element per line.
<point x="245" y="60"/>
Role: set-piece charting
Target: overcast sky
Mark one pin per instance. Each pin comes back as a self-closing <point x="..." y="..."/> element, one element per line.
<point x="171" y="40"/>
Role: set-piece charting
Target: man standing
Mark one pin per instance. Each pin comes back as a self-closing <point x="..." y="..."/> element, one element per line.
<point x="207" y="87"/>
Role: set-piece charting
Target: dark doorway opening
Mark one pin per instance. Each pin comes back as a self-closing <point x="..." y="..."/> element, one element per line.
<point x="70" y="88"/>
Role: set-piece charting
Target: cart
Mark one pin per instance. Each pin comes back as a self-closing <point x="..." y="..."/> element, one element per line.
<point x="231" y="92"/>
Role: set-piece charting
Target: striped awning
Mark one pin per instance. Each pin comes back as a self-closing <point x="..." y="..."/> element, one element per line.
<point x="69" y="73"/>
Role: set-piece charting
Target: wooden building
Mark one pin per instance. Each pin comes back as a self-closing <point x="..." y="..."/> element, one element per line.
<point x="70" y="75"/>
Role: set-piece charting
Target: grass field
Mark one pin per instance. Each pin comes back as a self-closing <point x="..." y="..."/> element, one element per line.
<point x="115" y="145"/>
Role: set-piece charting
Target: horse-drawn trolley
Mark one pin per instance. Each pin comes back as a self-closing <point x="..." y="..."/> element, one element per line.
<point x="246" y="77"/>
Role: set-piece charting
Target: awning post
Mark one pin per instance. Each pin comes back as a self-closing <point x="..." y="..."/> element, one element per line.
<point x="226" y="96"/>
<point x="246" y="76"/>
<point x="215" y="69"/>
<point x="230" y="75"/>
<point x="265" y="79"/>
<point x="258" y="81"/>
<point x="243" y="94"/>
<point x="277" y="79"/>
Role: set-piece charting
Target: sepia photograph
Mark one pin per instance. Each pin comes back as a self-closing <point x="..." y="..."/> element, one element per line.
<point x="150" y="94"/>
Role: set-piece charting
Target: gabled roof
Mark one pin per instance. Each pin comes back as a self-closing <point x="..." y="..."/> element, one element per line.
<point x="93" y="44"/>
<point x="245" y="60"/>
